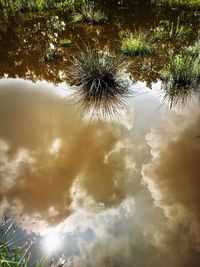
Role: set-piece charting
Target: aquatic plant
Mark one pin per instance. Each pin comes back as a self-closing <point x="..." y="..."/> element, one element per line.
<point x="167" y="30"/>
<point x="181" y="78"/>
<point x="135" y="45"/>
<point x="89" y="13"/>
<point x="100" y="80"/>
<point x="65" y="42"/>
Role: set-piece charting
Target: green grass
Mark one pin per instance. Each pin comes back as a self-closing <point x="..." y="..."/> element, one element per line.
<point x="89" y="13"/>
<point x="11" y="7"/>
<point x="11" y="254"/>
<point x="191" y="3"/>
<point x="14" y="255"/>
<point x="169" y="31"/>
<point x="135" y="44"/>
<point x="65" y="42"/>
<point x="181" y="78"/>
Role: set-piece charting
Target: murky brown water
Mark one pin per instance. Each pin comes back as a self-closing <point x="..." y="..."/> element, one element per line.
<point x="108" y="193"/>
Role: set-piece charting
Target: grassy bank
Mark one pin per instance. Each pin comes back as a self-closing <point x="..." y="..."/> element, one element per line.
<point x="192" y="3"/>
<point x="14" y="6"/>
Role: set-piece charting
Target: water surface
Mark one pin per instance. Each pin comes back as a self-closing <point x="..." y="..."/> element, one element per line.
<point x="122" y="192"/>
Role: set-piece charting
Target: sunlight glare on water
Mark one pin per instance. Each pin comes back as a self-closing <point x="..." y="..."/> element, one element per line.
<point x="52" y="242"/>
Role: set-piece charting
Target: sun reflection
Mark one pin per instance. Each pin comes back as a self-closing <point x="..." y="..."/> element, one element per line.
<point x="52" y="242"/>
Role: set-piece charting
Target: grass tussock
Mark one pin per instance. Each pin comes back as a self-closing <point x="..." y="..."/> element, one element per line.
<point x="134" y="44"/>
<point x="100" y="81"/>
<point x="89" y="13"/>
<point x="181" y="78"/>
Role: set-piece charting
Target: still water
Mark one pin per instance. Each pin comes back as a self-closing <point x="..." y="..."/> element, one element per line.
<point x="101" y="193"/>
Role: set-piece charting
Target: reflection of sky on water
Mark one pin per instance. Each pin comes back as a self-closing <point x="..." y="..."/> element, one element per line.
<point x="103" y="189"/>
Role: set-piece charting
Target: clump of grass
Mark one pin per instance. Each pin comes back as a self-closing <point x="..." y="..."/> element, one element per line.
<point x="135" y="44"/>
<point x="101" y="84"/>
<point x="65" y="42"/>
<point x="11" y="254"/>
<point x="89" y="13"/>
<point x="181" y="79"/>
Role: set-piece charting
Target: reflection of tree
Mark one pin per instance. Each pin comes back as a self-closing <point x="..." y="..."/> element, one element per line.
<point x="23" y="54"/>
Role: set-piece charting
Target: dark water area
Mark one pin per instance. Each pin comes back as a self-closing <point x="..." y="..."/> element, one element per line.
<point x="120" y="192"/>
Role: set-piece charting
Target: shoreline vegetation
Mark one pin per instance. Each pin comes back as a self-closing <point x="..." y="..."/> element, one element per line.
<point x="14" y="6"/>
<point x="11" y="7"/>
<point x="187" y="3"/>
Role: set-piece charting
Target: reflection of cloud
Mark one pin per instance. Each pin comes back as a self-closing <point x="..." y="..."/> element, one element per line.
<point x="86" y="179"/>
<point x="45" y="147"/>
<point x="10" y="168"/>
<point x="138" y="233"/>
<point x="173" y="178"/>
<point x="55" y="146"/>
